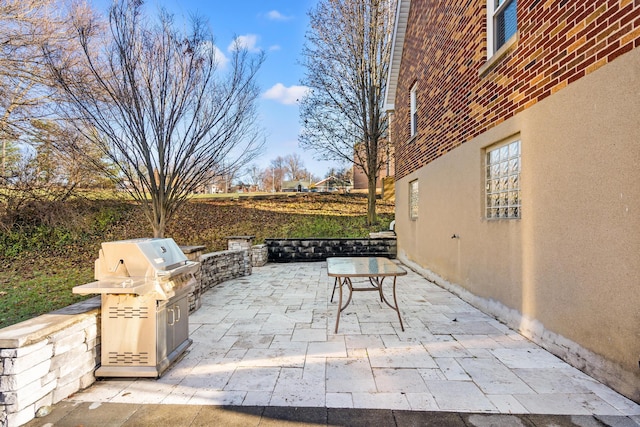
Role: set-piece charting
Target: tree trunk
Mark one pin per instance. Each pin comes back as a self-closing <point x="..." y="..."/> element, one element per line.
<point x="372" y="218"/>
<point x="157" y="220"/>
<point x="158" y="229"/>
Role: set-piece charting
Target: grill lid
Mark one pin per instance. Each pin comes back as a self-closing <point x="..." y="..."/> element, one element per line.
<point x="139" y="258"/>
<point x="153" y="266"/>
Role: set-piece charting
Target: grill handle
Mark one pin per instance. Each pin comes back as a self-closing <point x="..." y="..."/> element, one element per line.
<point x="173" y="316"/>
<point x="115" y="268"/>
<point x="179" y="316"/>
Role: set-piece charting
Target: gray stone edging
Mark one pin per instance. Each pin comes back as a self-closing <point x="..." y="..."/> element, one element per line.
<point x="296" y="250"/>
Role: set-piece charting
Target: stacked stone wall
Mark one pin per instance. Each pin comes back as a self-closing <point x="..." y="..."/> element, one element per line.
<point x="259" y="255"/>
<point x="224" y="265"/>
<point x="296" y="250"/>
<point x="45" y="359"/>
<point x="193" y="253"/>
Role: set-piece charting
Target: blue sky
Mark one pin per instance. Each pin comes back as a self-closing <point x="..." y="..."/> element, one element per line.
<point x="278" y="28"/>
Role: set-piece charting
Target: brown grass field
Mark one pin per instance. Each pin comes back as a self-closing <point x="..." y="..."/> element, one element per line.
<point x="44" y="258"/>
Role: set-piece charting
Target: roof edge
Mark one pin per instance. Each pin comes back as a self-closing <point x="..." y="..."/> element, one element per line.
<point x="397" y="46"/>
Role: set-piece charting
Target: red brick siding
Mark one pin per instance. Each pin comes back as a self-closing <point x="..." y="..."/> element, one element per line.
<point x="559" y="41"/>
<point x="361" y="182"/>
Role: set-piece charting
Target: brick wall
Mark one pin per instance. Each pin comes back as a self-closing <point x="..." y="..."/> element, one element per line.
<point x="559" y="41"/>
<point x="360" y="180"/>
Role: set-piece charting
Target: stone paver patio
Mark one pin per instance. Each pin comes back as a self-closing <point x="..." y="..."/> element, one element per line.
<point x="267" y="340"/>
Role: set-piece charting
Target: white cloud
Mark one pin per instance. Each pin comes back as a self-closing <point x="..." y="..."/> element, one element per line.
<point x="274" y="48"/>
<point x="286" y="95"/>
<point x="274" y="15"/>
<point x="247" y="41"/>
<point x="221" y="58"/>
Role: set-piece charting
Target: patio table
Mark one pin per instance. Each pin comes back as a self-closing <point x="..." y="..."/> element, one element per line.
<point x="376" y="269"/>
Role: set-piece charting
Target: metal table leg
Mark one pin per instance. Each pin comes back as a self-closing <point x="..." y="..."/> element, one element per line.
<point x="341" y="308"/>
<point x="395" y="301"/>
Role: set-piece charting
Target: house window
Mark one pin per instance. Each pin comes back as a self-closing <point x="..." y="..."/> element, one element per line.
<point x="413" y="199"/>
<point x="502" y="23"/>
<point x="503" y="181"/>
<point x="414" y="110"/>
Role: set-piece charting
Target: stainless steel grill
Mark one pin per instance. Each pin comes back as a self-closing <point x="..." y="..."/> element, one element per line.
<point x="144" y="285"/>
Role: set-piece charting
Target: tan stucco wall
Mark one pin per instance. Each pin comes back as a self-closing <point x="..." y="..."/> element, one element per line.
<point x="573" y="261"/>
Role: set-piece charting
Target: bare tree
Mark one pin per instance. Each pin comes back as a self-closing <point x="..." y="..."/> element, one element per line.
<point x="32" y="169"/>
<point x="344" y="174"/>
<point x="230" y="175"/>
<point x="56" y="161"/>
<point x="294" y="167"/>
<point x="158" y="104"/>
<point x="278" y="170"/>
<point x="347" y="54"/>
<point x="25" y="86"/>
<point x="254" y="174"/>
<point x="269" y="180"/>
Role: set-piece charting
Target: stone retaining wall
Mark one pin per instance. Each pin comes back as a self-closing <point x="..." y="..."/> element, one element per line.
<point x="296" y="250"/>
<point x="193" y="253"/>
<point x="239" y="242"/>
<point x="224" y="265"/>
<point x="259" y="255"/>
<point x="46" y="359"/>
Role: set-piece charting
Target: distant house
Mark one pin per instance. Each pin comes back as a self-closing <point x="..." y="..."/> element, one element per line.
<point x="214" y="184"/>
<point x="213" y="187"/>
<point x="517" y="141"/>
<point x="295" y="186"/>
<point x="332" y="183"/>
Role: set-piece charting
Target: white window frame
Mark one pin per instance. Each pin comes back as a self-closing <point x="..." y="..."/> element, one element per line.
<point x="494" y="8"/>
<point x="413" y="110"/>
<point x="414" y="198"/>
<point x="503" y="170"/>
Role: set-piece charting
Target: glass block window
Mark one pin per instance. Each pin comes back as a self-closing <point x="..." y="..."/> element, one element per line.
<point x="414" y="110"/>
<point x="502" y="23"/>
<point x="413" y="199"/>
<point x="503" y="182"/>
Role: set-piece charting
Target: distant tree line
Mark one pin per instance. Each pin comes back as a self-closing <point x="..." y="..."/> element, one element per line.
<point x="283" y="169"/>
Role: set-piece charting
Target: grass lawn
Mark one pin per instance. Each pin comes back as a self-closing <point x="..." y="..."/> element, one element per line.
<point x="39" y="265"/>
